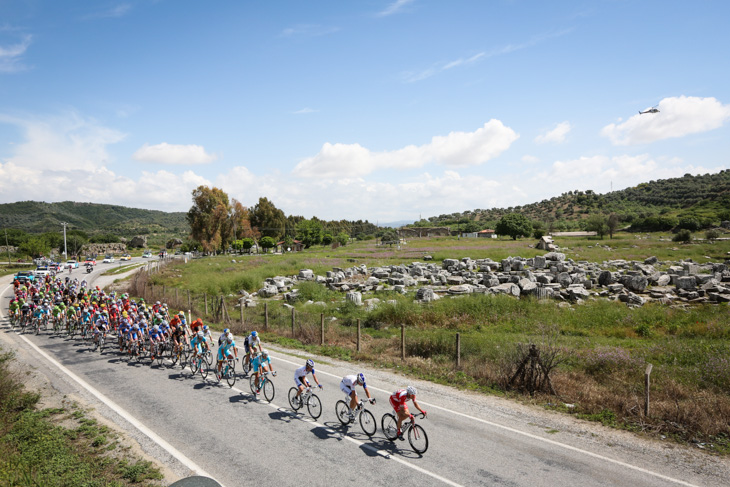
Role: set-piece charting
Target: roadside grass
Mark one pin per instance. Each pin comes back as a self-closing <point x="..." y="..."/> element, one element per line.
<point x="603" y="347"/>
<point x="40" y="447"/>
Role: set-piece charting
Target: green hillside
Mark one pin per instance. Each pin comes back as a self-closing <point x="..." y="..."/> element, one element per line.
<point x="704" y="199"/>
<point x="39" y="217"/>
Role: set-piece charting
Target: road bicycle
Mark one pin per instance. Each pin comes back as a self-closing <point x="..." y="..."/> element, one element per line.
<point x="198" y="364"/>
<point x="179" y="354"/>
<point x="208" y="355"/>
<point x="158" y="351"/>
<point x="367" y="420"/>
<point x="99" y="342"/>
<point x="417" y="436"/>
<point x="41" y="322"/>
<point x="314" y="405"/>
<point x="265" y="384"/>
<point x="228" y="371"/>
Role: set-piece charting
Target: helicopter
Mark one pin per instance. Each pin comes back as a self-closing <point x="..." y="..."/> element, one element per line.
<point x="653" y="109"/>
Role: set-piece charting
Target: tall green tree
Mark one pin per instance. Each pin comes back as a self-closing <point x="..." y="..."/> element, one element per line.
<point x="612" y="223"/>
<point x="268" y="219"/>
<point x="514" y="225"/>
<point x="597" y="223"/>
<point x="309" y="232"/>
<point x="208" y="217"/>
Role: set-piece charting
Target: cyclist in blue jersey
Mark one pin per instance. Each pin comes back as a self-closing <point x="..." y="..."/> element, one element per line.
<point x="260" y="363"/>
<point x="224" y="352"/>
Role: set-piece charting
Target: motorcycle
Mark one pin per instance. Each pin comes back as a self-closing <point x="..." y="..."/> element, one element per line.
<point x="89" y="268"/>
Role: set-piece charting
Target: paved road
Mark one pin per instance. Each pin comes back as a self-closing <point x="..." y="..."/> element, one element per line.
<point x="474" y="440"/>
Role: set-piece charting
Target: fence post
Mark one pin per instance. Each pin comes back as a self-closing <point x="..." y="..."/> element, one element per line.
<point x="646" y="389"/>
<point x="321" y="323"/>
<point x="358" y="334"/>
<point x="458" y="350"/>
<point x="402" y="341"/>
<point x="266" y="316"/>
<point x="292" y="322"/>
<point x="206" y="303"/>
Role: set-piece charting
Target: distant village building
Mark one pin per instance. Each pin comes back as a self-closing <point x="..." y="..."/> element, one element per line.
<point x="488" y="233"/>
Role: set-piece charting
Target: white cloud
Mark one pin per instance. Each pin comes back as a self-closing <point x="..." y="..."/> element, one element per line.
<point x="11" y="55"/>
<point x="113" y="12"/>
<point x="530" y="159"/>
<point x="304" y="111"/>
<point x="394" y="7"/>
<point x="677" y="117"/>
<point x="165" y="153"/>
<point x="556" y="135"/>
<point x="66" y="142"/>
<point x="455" y="149"/>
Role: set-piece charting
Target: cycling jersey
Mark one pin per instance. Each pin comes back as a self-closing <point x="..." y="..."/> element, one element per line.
<point x="259" y="361"/>
<point x="197" y="342"/>
<point x="300" y="374"/>
<point x="398" y="399"/>
<point x="348" y="383"/>
<point x="224" y="350"/>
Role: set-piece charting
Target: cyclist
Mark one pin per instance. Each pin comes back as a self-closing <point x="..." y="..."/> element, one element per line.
<point x="179" y="336"/>
<point x="250" y="344"/>
<point x="224" y="352"/>
<point x="207" y="335"/>
<point x="223" y="336"/>
<point x="259" y="364"/>
<point x="100" y="328"/>
<point x="300" y="377"/>
<point x="198" y="343"/>
<point x="156" y="338"/>
<point x="398" y="402"/>
<point x="347" y="385"/>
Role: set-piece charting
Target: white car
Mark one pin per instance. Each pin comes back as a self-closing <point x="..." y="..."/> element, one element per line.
<point x="72" y="264"/>
<point x="147" y="254"/>
<point x="108" y="259"/>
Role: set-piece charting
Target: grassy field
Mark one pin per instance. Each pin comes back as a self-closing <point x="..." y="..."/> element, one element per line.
<point x="59" y="446"/>
<point x="599" y="350"/>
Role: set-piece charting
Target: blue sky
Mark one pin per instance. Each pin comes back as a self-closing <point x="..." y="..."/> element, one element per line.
<point x="381" y="110"/>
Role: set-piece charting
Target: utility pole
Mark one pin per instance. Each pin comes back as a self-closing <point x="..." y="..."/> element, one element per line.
<point x="7" y="246"/>
<point x="65" y="253"/>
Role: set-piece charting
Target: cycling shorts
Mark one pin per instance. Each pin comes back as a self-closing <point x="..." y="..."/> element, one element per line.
<point x="300" y="381"/>
<point x="346" y="389"/>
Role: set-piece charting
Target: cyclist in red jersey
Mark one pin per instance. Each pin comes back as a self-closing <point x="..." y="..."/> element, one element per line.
<point x="398" y="401"/>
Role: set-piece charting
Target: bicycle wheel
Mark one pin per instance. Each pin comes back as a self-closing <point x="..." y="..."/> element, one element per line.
<point x="269" y="390"/>
<point x="230" y="375"/>
<point x="160" y="355"/>
<point x="101" y="344"/>
<point x="246" y="368"/>
<point x="203" y="366"/>
<point x="294" y="401"/>
<point x="209" y="358"/>
<point x="314" y="406"/>
<point x="194" y="366"/>
<point x="342" y="410"/>
<point x="252" y="384"/>
<point x="368" y="423"/>
<point x="390" y="426"/>
<point x="418" y="439"/>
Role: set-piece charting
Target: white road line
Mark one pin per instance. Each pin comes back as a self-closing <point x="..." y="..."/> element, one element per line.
<point x="121" y="412"/>
<point x="530" y="435"/>
<point x="359" y="443"/>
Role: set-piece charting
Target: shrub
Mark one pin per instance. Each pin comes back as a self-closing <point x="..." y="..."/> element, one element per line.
<point x="712" y="235"/>
<point x="683" y="235"/>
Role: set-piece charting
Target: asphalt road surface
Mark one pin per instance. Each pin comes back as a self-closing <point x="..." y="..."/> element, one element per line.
<point x="201" y="426"/>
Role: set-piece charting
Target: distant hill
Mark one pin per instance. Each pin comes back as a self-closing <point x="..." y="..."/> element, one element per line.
<point x="705" y="198"/>
<point x="38" y="217"/>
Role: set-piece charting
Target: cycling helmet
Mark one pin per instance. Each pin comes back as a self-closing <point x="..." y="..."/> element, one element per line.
<point x="205" y="327"/>
<point x="156" y="328"/>
<point x="254" y="334"/>
<point x="157" y="302"/>
<point x="411" y="391"/>
<point x="310" y="363"/>
<point x="361" y="378"/>
<point x="265" y="353"/>
<point x="200" y="334"/>
<point x="226" y="331"/>
<point x="229" y="339"/>
<point x="181" y="314"/>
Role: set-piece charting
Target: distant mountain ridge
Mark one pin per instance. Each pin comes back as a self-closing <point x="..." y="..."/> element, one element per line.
<point x="704" y="197"/>
<point x="38" y="217"/>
